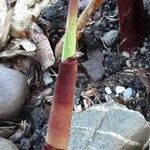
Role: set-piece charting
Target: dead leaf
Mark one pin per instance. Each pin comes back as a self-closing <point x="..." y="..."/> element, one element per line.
<point x="22" y="16"/>
<point x="5" y="19"/>
<point x="44" y="53"/>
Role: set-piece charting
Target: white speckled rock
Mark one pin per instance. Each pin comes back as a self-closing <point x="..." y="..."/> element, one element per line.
<point x="7" y="145"/>
<point x="108" y="90"/>
<point x="108" y="126"/>
<point x="119" y="89"/>
<point x="13" y="92"/>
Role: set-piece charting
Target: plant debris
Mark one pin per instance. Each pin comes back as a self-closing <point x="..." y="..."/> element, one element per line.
<point x="104" y="72"/>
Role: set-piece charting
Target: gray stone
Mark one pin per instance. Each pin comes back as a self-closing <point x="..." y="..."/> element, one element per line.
<point x="127" y="93"/>
<point x="109" y="126"/>
<point x="110" y="37"/>
<point x="94" y="66"/>
<point x="83" y="3"/>
<point x="126" y="54"/>
<point x="143" y="50"/>
<point x="13" y="92"/>
<point x="7" y="145"/>
<point x="47" y="78"/>
<point x="128" y="63"/>
<point x="147" y="5"/>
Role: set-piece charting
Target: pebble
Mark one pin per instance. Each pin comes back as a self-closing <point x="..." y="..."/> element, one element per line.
<point x="13" y="93"/>
<point x="128" y="63"/>
<point x="145" y="44"/>
<point x="47" y="78"/>
<point x="147" y="6"/>
<point x="127" y="93"/>
<point x="108" y="90"/>
<point x="94" y="66"/>
<point x="83" y="3"/>
<point x="7" y="145"/>
<point x="140" y="64"/>
<point x="110" y="37"/>
<point x="119" y="89"/>
<point x="125" y="54"/>
<point x="143" y="50"/>
<point x="146" y="67"/>
<point x="137" y="95"/>
<point x="25" y="143"/>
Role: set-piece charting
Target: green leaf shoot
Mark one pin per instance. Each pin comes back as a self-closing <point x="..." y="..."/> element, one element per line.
<point x="69" y="46"/>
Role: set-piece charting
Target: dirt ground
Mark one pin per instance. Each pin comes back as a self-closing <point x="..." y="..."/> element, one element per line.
<point x="117" y="69"/>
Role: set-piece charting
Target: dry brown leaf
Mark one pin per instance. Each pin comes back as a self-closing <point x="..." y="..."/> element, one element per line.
<point x="23" y="13"/>
<point x="5" y="19"/>
<point x="14" y="53"/>
<point x="44" y="53"/>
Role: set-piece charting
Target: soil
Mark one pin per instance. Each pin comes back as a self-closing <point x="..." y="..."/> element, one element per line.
<point x="121" y="69"/>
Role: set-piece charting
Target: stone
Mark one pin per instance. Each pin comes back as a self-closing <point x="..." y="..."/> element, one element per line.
<point x="110" y="37"/>
<point x="128" y="63"/>
<point x="7" y="145"/>
<point x="83" y="4"/>
<point x="108" y="90"/>
<point x="147" y="5"/>
<point x="108" y="126"/>
<point x="145" y="44"/>
<point x="94" y="66"/>
<point x="25" y="143"/>
<point x="47" y="78"/>
<point x="119" y="89"/>
<point x="127" y="93"/>
<point x="126" y="54"/>
<point x="143" y="50"/>
<point x="13" y="93"/>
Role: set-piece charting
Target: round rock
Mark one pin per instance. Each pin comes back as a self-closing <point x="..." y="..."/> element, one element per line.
<point x="108" y="90"/>
<point x="13" y="93"/>
<point x="127" y="93"/>
<point x="119" y="89"/>
<point x="110" y="37"/>
<point x="7" y="145"/>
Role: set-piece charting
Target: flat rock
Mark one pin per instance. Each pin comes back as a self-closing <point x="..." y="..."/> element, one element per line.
<point x="7" y="145"/>
<point x="13" y="92"/>
<point x="109" y="126"/>
<point x="94" y="66"/>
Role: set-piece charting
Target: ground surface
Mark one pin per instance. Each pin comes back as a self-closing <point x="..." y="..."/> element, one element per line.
<point x="120" y="69"/>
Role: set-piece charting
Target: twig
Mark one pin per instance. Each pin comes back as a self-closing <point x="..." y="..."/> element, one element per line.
<point x="86" y="15"/>
<point x="81" y="23"/>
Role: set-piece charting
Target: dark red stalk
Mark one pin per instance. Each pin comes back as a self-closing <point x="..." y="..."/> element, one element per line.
<point x="131" y="22"/>
<point x="48" y="147"/>
<point x="61" y="111"/>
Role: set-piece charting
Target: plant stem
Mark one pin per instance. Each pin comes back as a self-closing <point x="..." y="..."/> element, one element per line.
<point x="61" y="111"/>
<point x="131" y="22"/>
<point x="82" y="21"/>
<point x="48" y="147"/>
<point x="69" y="46"/>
